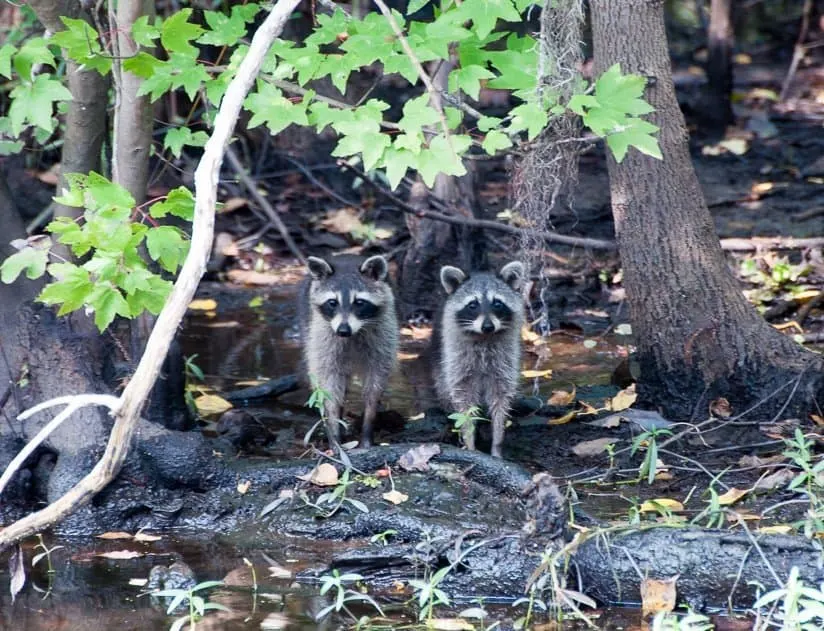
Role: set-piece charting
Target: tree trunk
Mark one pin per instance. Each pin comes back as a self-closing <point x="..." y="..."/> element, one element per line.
<point x="720" y="43"/>
<point x="86" y="118"/>
<point x="697" y="337"/>
<point x="433" y="243"/>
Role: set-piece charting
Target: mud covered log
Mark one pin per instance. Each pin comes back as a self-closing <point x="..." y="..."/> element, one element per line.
<point x="716" y="568"/>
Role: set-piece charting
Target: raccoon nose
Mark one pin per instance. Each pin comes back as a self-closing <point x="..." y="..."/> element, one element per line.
<point x="344" y="330"/>
<point x="487" y="326"/>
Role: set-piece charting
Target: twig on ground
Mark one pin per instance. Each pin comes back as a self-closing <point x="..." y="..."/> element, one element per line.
<point x="260" y="200"/>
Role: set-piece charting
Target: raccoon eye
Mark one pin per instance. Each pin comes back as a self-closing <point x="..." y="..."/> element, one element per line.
<point x="331" y="303"/>
<point x="473" y="305"/>
<point x="497" y="304"/>
<point x="359" y="302"/>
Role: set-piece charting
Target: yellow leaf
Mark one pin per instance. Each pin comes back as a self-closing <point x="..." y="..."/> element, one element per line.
<point x="624" y="399"/>
<point x="145" y="537"/>
<point x="561" y="397"/>
<point x="742" y="59"/>
<point x="322" y="475"/>
<point x="211" y="404"/>
<point x="396" y="497"/>
<point x="651" y="506"/>
<point x="342" y="221"/>
<point x="534" y="374"/>
<point x="806" y="296"/>
<point x="563" y="420"/>
<point x="203" y="304"/>
<point x="406" y="356"/>
<point x="792" y="324"/>
<point x="732" y="496"/>
<point x="762" y="187"/>
<point x="115" y="535"/>
<point x="250" y="382"/>
<point x="778" y="529"/>
<point x="243" y="487"/>
<point x="528" y="335"/>
<point x="449" y="624"/>
<point x="737" y="146"/>
<point x="817" y="419"/>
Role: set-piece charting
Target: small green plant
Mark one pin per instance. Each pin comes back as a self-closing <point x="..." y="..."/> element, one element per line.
<point x="428" y="594"/>
<point x="45" y="554"/>
<point x="792" y="607"/>
<point x="466" y="418"/>
<point x="191" y="372"/>
<point x="532" y="603"/>
<point x="480" y="614"/>
<point x="383" y="537"/>
<point x="811" y="476"/>
<point x="317" y="401"/>
<point x="197" y="604"/>
<point x="343" y="594"/>
<point x="649" y="439"/>
<point x="368" y="480"/>
<point x="712" y="516"/>
<point x="692" y="621"/>
<point x="332" y="501"/>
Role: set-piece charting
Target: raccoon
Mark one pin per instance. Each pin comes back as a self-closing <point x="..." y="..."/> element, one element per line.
<point x="478" y="344"/>
<point x="349" y="326"/>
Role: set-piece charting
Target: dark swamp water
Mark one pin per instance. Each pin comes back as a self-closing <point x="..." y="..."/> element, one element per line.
<point x="250" y="336"/>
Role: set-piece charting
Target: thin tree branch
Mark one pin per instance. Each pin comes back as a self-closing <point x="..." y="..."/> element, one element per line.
<point x="135" y="393"/>
<point x="271" y="213"/>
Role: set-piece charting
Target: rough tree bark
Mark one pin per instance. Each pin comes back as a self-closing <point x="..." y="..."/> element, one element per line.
<point x="720" y="41"/>
<point x="434" y="244"/>
<point x="697" y="337"/>
<point x="86" y="118"/>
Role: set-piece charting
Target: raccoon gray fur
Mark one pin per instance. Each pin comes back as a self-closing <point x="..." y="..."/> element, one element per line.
<point x="349" y="326"/>
<point x="478" y="344"/>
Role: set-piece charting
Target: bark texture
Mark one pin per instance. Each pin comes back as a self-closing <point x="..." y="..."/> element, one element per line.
<point x="721" y="41"/>
<point x="697" y="336"/>
<point x="86" y="118"/>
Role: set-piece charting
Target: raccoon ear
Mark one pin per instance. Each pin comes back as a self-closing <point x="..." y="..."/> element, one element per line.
<point x="451" y="278"/>
<point x="319" y="268"/>
<point x="513" y="274"/>
<point x="375" y="267"/>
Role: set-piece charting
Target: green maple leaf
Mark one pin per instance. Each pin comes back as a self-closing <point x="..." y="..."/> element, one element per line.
<point x="226" y="30"/>
<point x="179" y="202"/>
<point x="6" y="53"/>
<point x="495" y="141"/>
<point x="177" y="32"/>
<point x="143" y="65"/>
<point x="178" y="137"/>
<point x="166" y="246"/>
<point x="468" y="79"/>
<point x="107" y="302"/>
<point x="329" y="28"/>
<point x="399" y="63"/>
<point x="417" y="114"/>
<point x="34" y="103"/>
<point x="71" y="288"/>
<point x="35" y="51"/>
<point x="151" y="299"/>
<point x="269" y="106"/>
<point x="443" y="156"/>
<point x="517" y="69"/>
<point x="81" y="44"/>
<point x="529" y="116"/>
<point x="638" y="134"/>
<point x="31" y="260"/>
<point x="143" y="33"/>
<point x="622" y="93"/>
<point x="321" y="115"/>
<point x="107" y="195"/>
<point x="370" y="144"/>
<point x="486" y="13"/>
<point x="397" y="162"/>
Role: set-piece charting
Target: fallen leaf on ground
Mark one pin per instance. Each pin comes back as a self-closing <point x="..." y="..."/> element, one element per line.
<point x="203" y="304"/>
<point x="658" y="595"/>
<point x="592" y="447"/>
<point x="396" y="497"/>
<point x="342" y="221"/>
<point x="775" y="480"/>
<point x="624" y="399"/>
<point x="251" y="277"/>
<point x="17" y="571"/>
<point x="561" y="398"/>
<point x="138" y="582"/>
<point x="417" y="458"/>
<point x="277" y="571"/>
<point x="586" y="409"/>
<point x="274" y="621"/>
<point x="118" y="534"/>
<point x="243" y="487"/>
<point x="450" y="624"/>
<point x="777" y="529"/>
<point x="563" y="420"/>
<point x="534" y="374"/>
<point x="818" y="420"/>
<point x="760" y="461"/>
<point x="652" y="506"/>
<point x="212" y="404"/>
<point x="146" y="537"/>
<point x="732" y="496"/>
<point x="720" y="408"/>
<point x="608" y="422"/>
<point x="121" y="554"/>
<point x="322" y="475"/>
<point x="739" y="516"/>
